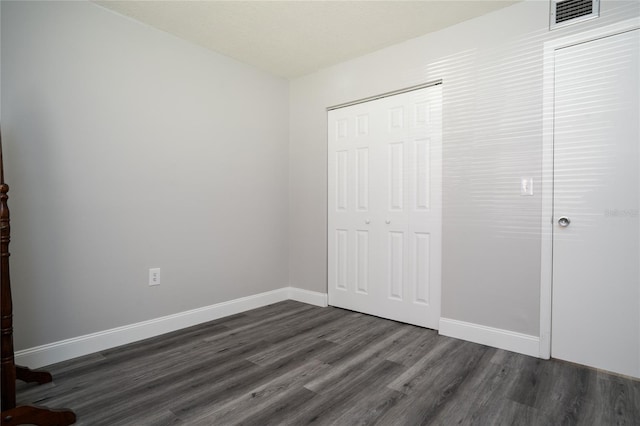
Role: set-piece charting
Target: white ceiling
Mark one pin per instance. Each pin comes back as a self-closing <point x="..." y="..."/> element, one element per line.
<point x="294" y="38"/>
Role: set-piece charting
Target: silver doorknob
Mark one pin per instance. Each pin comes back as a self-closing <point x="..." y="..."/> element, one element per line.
<point x="387" y="221"/>
<point x="367" y="221"/>
<point x="564" y="221"/>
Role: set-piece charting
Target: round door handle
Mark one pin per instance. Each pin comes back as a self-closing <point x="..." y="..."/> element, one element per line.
<point x="367" y="221"/>
<point x="564" y="221"/>
<point x="387" y="221"/>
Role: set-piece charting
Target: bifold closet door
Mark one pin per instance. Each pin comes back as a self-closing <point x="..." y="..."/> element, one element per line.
<point x="385" y="206"/>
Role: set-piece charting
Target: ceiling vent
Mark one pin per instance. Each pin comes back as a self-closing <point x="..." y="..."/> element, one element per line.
<point x="567" y="12"/>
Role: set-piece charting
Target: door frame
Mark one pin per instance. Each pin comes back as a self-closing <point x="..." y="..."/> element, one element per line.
<point x="546" y="222"/>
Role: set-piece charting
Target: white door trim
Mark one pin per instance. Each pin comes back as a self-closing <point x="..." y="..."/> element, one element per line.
<point x="546" y="225"/>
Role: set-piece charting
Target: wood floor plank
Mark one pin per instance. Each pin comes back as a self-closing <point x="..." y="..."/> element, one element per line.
<point x="268" y="314"/>
<point x="221" y="393"/>
<point x="295" y="340"/>
<point x="354" y="326"/>
<point x="146" y="379"/>
<point x="282" y="410"/>
<point x="292" y="364"/>
<point x="435" y="357"/>
<point x="506" y="412"/>
<point x="257" y="399"/>
<point x="566" y="392"/>
<point x="368" y="343"/>
<point x="476" y="396"/>
<point x="368" y="410"/>
<point x="157" y="417"/>
<point x="417" y="344"/>
<point x="279" y="328"/>
<point x="325" y="409"/>
<point x="436" y="386"/>
<point x="619" y="400"/>
<point x="353" y="365"/>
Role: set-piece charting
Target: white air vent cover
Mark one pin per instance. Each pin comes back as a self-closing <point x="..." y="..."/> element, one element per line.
<point x="566" y="12"/>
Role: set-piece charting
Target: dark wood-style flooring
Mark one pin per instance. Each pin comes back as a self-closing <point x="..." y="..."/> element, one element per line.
<point x="296" y="364"/>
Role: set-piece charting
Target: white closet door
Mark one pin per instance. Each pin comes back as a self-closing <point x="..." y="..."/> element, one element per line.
<point x="385" y="213"/>
<point x="596" y="237"/>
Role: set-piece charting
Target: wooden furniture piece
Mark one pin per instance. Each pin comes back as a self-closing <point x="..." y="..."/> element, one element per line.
<point x="12" y="415"/>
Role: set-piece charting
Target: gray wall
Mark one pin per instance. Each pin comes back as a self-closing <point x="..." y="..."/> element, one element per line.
<point x="127" y="148"/>
<point x="492" y="136"/>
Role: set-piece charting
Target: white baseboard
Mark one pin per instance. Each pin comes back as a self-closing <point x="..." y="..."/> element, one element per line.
<point x="90" y="343"/>
<point x="495" y="337"/>
<point x="309" y="297"/>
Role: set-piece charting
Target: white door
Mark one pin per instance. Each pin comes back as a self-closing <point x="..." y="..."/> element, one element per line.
<point x="385" y="212"/>
<point x="596" y="234"/>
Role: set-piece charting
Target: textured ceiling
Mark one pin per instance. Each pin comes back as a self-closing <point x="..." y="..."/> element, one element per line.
<point x="294" y="38"/>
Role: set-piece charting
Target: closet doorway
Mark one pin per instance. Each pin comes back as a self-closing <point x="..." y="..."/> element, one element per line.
<point x="385" y="206"/>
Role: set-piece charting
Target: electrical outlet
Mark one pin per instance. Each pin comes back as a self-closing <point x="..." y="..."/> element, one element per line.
<point x="154" y="276"/>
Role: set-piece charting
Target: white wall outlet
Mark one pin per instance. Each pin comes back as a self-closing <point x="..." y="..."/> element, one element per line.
<point x="526" y="186"/>
<point x="154" y="276"/>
